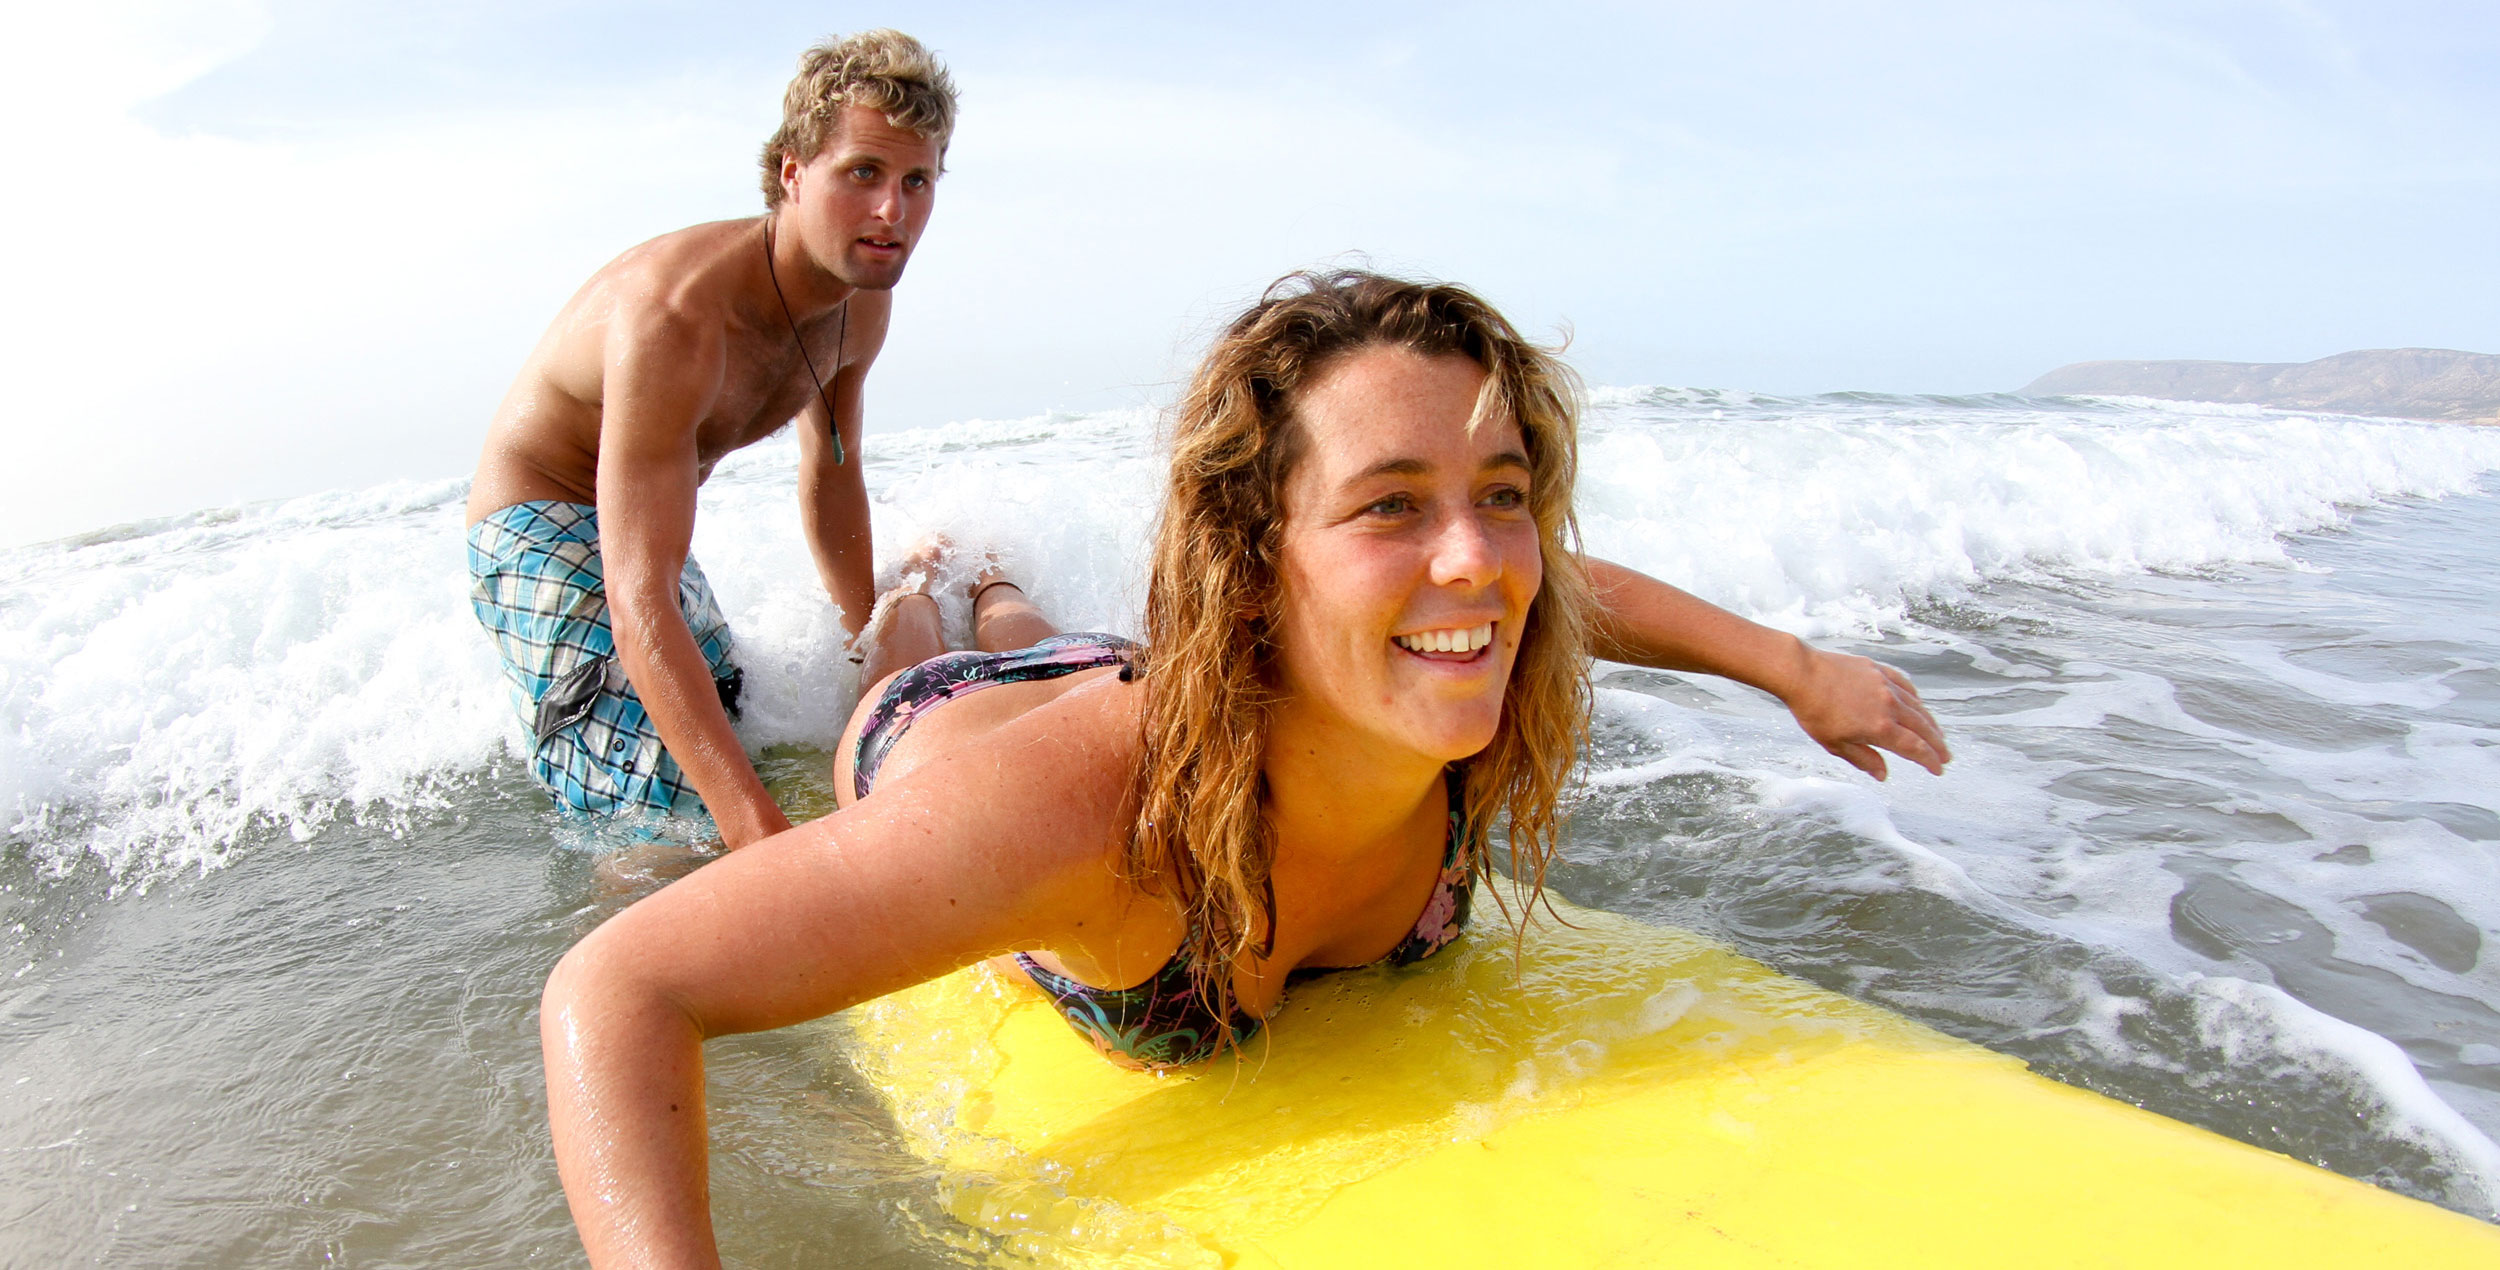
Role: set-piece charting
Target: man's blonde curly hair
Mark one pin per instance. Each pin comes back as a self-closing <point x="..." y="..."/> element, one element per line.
<point x="886" y="71"/>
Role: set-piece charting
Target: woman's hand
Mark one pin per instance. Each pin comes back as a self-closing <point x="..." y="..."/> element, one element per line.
<point x="1854" y="706"/>
<point x="1851" y="706"/>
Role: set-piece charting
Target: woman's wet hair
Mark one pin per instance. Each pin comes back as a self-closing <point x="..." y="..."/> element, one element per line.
<point x="1213" y="604"/>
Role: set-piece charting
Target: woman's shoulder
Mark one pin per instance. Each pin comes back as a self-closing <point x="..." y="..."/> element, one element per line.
<point x="1052" y="786"/>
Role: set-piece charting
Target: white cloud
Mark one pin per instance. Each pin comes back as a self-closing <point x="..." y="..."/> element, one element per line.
<point x="218" y="319"/>
<point x="318" y="262"/>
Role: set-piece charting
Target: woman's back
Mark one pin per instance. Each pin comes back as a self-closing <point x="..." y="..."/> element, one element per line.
<point x="1367" y="609"/>
<point x="1066" y="712"/>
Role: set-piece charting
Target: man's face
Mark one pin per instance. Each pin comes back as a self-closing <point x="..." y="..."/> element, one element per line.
<point x="859" y="206"/>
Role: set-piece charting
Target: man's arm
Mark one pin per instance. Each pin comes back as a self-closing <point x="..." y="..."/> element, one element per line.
<point x="1851" y="706"/>
<point x="661" y="376"/>
<point x="833" y="498"/>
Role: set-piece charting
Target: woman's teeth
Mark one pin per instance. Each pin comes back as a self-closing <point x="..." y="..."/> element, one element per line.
<point x="1450" y="641"/>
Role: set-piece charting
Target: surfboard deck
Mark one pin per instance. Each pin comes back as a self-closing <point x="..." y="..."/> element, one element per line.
<point x="1620" y="1095"/>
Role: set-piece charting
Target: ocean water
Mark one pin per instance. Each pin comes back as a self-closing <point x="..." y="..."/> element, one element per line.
<point x="2222" y="838"/>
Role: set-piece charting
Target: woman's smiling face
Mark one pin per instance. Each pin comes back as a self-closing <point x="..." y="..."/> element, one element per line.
<point x="1410" y="555"/>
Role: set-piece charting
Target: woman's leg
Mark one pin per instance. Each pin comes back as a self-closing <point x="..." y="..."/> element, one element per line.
<point x="1002" y="618"/>
<point x="905" y="632"/>
<point x="904" y="629"/>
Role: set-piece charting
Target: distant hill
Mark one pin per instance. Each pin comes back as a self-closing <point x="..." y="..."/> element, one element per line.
<point x="2401" y="383"/>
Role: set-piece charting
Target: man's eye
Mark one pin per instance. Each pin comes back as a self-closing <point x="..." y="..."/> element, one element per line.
<point x="863" y="173"/>
<point x="1508" y="496"/>
<point x="1393" y="505"/>
<point x="916" y="182"/>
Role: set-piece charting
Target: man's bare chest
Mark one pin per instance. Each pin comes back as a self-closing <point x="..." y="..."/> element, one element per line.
<point x="766" y="384"/>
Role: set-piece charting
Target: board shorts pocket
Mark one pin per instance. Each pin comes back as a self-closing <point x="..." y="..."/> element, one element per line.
<point x="569" y="699"/>
<point x="538" y="587"/>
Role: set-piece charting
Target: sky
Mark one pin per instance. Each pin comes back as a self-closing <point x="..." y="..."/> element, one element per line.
<point x="265" y="249"/>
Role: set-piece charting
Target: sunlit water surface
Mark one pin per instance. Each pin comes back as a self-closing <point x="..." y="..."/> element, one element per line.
<point x="2223" y="837"/>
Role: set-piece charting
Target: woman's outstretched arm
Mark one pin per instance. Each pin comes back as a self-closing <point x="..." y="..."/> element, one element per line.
<point x="1851" y="706"/>
<point x="994" y="846"/>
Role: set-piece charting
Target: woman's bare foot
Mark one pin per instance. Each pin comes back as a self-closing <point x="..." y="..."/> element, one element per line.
<point x="906" y="627"/>
<point x="920" y="568"/>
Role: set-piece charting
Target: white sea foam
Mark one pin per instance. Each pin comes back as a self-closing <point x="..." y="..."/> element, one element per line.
<point x="166" y="692"/>
<point x="2258" y="1024"/>
<point x="2412" y="694"/>
<point x="169" y="686"/>
<point x="1825" y="516"/>
<point x="174" y="691"/>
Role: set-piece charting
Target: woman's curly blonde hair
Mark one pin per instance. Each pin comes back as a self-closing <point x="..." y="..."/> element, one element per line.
<point x="1213" y="605"/>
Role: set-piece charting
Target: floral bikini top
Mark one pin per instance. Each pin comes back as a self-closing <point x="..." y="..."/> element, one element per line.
<point x="1165" y="1022"/>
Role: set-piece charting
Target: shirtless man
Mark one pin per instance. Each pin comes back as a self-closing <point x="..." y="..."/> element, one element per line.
<point x="681" y="350"/>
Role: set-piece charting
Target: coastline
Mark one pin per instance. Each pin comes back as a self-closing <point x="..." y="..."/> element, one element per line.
<point x="2430" y="384"/>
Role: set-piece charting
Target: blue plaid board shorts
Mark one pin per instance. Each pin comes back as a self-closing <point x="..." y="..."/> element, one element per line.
<point x="537" y="584"/>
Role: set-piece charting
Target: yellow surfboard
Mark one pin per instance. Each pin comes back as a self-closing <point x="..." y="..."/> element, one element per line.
<point x="1620" y="1095"/>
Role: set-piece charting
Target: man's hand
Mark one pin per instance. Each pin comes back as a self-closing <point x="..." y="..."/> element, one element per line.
<point x="833" y="496"/>
<point x="663" y="375"/>
<point x="1852" y="706"/>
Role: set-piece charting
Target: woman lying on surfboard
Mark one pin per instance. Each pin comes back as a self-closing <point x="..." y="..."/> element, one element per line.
<point x="1368" y="633"/>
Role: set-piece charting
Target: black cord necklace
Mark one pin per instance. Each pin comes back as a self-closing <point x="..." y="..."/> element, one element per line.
<point x="833" y="426"/>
